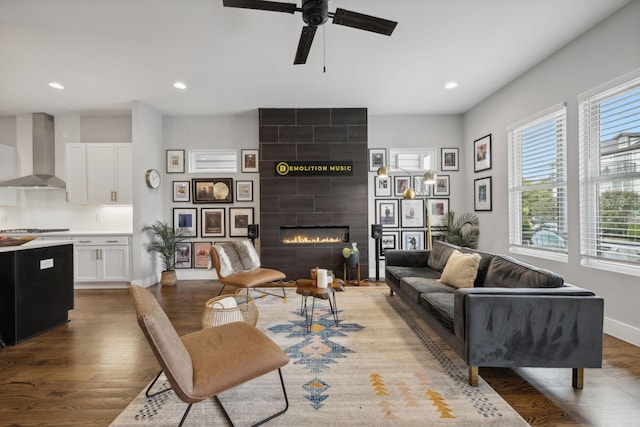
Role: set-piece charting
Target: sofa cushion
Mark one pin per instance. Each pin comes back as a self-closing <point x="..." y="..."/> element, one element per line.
<point x="461" y="270"/>
<point x="414" y="287"/>
<point x="395" y="273"/>
<point x="440" y="254"/>
<point x="440" y="305"/>
<point x="507" y="272"/>
<point x="483" y="267"/>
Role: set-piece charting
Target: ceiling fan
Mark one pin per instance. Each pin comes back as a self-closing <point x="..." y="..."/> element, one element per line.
<point x="314" y="14"/>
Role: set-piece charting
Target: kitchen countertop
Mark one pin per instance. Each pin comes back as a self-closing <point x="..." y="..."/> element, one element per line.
<point x="71" y="233"/>
<point x="33" y="244"/>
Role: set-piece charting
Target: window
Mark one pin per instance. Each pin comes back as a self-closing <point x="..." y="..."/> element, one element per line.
<point x="610" y="176"/>
<point x="538" y="185"/>
<point x="213" y="160"/>
<point x="412" y="159"/>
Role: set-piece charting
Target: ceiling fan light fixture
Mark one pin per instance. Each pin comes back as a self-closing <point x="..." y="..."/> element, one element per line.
<point x="315" y="12"/>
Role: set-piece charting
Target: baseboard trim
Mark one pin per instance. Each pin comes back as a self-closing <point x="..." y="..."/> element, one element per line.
<point x="622" y="331"/>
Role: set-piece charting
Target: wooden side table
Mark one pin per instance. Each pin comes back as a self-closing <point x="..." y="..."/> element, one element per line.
<point x="307" y="288"/>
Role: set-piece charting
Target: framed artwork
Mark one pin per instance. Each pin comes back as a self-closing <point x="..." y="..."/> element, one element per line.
<point x="412" y="213"/>
<point x="441" y="187"/>
<point x="377" y="158"/>
<point x="175" y="161"/>
<point x="250" y="160"/>
<point x="239" y="219"/>
<point x="244" y="191"/>
<point x="387" y="213"/>
<point x="420" y="187"/>
<point x="412" y="240"/>
<point x="382" y="186"/>
<point x="212" y="222"/>
<point x="388" y="241"/>
<point x="186" y="218"/>
<point x="482" y="153"/>
<point x="438" y="211"/>
<point x="449" y="159"/>
<point x="181" y="191"/>
<point x="201" y="257"/>
<point x="482" y="194"/>
<point x="183" y="255"/>
<point x="212" y="190"/>
<point x="402" y="183"/>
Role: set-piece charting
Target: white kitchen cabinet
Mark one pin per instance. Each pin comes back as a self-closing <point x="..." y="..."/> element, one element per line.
<point x="101" y="259"/>
<point x="100" y="174"/>
<point x="8" y="160"/>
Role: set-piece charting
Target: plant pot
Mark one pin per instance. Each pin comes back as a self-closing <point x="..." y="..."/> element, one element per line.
<point x="168" y="278"/>
<point x="353" y="260"/>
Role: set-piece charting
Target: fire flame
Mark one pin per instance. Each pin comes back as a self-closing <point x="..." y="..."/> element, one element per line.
<point x="301" y="239"/>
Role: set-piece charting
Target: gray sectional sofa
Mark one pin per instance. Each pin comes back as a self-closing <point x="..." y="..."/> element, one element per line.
<point x="514" y="315"/>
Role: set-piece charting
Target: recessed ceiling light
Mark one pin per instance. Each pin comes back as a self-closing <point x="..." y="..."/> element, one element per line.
<point x="179" y="85"/>
<point x="451" y="85"/>
<point x="56" y="85"/>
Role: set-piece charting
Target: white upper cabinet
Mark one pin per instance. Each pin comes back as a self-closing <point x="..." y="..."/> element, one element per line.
<point x="106" y="170"/>
<point x="8" y="160"/>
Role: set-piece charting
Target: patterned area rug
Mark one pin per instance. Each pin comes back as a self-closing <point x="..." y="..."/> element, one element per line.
<point x="381" y="366"/>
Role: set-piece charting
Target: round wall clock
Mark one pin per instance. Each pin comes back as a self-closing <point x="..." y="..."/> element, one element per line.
<point x="153" y="178"/>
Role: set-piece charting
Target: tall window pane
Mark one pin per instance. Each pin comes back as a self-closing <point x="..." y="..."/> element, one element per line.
<point x="537" y="183"/>
<point x="610" y="173"/>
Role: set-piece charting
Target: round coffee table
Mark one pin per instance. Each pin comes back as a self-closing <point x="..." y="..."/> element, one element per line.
<point x="307" y="288"/>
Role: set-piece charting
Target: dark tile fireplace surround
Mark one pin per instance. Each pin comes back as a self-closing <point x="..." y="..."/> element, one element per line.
<point x="318" y="202"/>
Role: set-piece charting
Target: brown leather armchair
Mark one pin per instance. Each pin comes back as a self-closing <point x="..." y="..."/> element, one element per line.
<point x="197" y="365"/>
<point x="238" y="264"/>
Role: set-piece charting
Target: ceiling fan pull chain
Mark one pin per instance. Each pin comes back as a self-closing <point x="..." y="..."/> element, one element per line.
<point x="324" y="49"/>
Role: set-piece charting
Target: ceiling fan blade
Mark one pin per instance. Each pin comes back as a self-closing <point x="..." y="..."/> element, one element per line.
<point x="364" y="22"/>
<point x="306" y="38"/>
<point x="272" y="6"/>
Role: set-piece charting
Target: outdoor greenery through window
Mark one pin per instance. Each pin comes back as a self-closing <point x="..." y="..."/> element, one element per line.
<point x="610" y="174"/>
<point x="537" y="182"/>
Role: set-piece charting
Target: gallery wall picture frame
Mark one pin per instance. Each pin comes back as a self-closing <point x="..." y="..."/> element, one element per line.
<point x="441" y="187"/>
<point x="250" y="161"/>
<point x="382" y="186"/>
<point x="212" y="222"/>
<point x="201" y="257"/>
<point x="181" y="191"/>
<point x="482" y="194"/>
<point x="212" y="190"/>
<point x="413" y="212"/>
<point x="438" y="211"/>
<point x="449" y="159"/>
<point x="413" y="240"/>
<point x="175" y="161"/>
<point x="388" y="241"/>
<point x="187" y="219"/>
<point x="239" y="219"/>
<point x="401" y="184"/>
<point x="244" y="191"/>
<point x="420" y="187"/>
<point x="377" y="158"/>
<point x="482" y="153"/>
<point x="387" y="212"/>
<point x="183" y="255"/>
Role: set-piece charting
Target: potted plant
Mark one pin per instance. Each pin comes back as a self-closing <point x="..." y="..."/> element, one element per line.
<point x="352" y="255"/>
<point x="165" y="243"/>
<point x="465" y="231"/>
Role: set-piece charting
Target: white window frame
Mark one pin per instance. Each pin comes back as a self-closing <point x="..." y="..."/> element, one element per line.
<point x="412" y="159"/>
<point x="213" y="160"/>
<point x="591" y="177"/>
<point x="558" y="113"/>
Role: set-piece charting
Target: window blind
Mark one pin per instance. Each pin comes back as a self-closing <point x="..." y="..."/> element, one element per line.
<point x="537" y="182"/>
<point x="610" y="174"/>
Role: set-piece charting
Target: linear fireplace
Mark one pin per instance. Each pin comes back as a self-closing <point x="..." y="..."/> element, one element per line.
<point x="311" y="235"/>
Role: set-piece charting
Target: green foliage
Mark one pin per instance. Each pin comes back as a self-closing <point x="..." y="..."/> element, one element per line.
<point x="617" y="209"/>
<point x="465" y="231"/>
<point x="165" y="242"/>
<point x="633" y="231"/>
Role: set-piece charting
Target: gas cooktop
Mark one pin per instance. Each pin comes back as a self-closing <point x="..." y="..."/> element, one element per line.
<point x="33" y="230"/>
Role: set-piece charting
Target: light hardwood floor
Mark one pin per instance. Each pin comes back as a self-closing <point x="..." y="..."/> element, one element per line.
<point x="84" y="373"/>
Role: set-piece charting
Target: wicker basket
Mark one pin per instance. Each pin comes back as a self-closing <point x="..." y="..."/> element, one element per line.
<point x="246" y="309"/>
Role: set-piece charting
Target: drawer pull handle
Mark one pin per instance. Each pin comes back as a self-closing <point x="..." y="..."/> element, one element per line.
<point x="112" y="241"/>
<point x="84" y="241"/>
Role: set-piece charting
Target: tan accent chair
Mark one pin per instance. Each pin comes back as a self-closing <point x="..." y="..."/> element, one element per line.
<point x="247" y="278"/>
<point x="202" y="364"/>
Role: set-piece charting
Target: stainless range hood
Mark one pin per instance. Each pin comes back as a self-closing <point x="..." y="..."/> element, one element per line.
<point x="44" y="158"/>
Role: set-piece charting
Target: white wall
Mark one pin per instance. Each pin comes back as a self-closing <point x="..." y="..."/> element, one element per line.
<point x="439" y="131"/>
<point x="606" y="52"/>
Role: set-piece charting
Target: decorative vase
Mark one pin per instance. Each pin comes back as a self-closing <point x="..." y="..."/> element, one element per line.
<point x="168" y="278"/>
<point x="353" y="260"/>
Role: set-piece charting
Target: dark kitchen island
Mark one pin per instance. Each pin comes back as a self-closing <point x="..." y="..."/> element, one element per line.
<point x="36" y="288"/>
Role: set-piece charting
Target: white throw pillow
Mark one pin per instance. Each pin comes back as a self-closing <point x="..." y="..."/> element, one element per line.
<point x="247" y="254"/>
<point x="461" y="270"/>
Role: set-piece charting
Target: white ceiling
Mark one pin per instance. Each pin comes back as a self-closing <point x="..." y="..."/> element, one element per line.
<point x="108" y="53"/>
